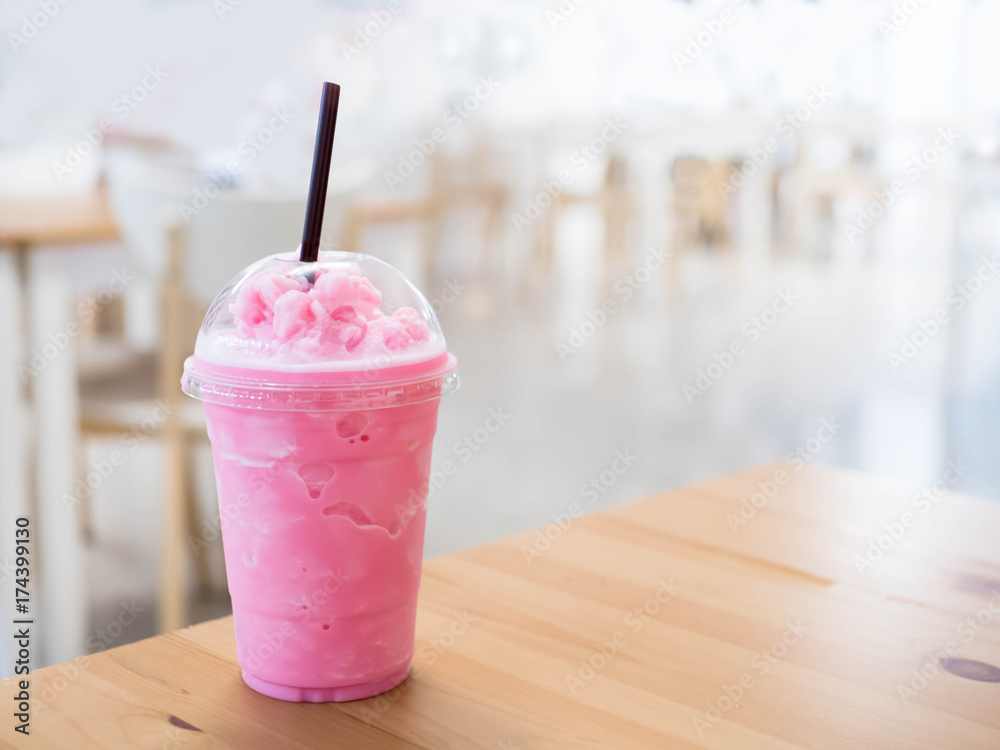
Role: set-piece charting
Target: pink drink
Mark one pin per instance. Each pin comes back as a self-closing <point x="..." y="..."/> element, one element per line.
<point x="321" y="425"/>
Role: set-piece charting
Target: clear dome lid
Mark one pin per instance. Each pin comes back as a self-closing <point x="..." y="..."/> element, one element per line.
<point x="345" y="331"/>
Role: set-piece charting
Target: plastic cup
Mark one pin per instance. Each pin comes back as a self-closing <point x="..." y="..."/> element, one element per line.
<point x="321" y="443"/>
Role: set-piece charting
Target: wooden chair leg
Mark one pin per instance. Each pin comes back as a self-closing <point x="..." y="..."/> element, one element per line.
<point x="615" y="228"/>
<point x="494" y="224"/>
<point x="353" y="227"/>
<point x="172" y="589"/>
<point x="547" y="237"/>
<point x="202" y="570"/>
<point x="173" y="613"/>
<point x="85" y="509"/>
<point x="432" y="231"/>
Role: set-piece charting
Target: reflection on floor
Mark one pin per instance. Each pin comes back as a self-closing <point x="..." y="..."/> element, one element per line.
<point x="597" y="389"/>
<point x="721" y="371"/>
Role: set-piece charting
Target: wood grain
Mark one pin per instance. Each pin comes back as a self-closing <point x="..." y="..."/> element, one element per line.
<point x="508" y="653"/>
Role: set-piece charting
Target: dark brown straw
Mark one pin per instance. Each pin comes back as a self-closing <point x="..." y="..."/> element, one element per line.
<point x="320" y="173"/>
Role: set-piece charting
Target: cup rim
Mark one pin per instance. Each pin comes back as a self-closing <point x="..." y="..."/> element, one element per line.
<point x="320" y="390"/>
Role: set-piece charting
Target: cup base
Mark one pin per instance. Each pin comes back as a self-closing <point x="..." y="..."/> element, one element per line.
<point x="327" y="694"/>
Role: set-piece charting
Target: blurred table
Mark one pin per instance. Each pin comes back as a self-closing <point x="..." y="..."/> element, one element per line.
<point x="29" y="229"/>
<point x="690" y="619"/>
<point x="71" y="219"/>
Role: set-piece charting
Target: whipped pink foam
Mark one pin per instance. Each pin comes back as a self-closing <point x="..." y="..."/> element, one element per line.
<point x="284" y="322"/>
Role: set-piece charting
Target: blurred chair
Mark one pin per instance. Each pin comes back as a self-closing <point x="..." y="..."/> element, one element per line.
<point x="427" y="210"/>
<point x="834" y="164"/>
<point x="453" y="183"/>
<point x="191" y="263"/>
<point x="135" y="392"/>
<point x="699" y="207"/>
<point x="615" y="198"/>
<point x="481" y="179"/>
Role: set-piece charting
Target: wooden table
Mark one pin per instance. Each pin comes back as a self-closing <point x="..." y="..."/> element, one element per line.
<point x="29" y="229"/>
<point x="69" y="219"/>
<point x="768" y="636"/>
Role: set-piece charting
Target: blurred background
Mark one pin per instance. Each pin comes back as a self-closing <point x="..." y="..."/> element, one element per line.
<point x="666" y="240"/>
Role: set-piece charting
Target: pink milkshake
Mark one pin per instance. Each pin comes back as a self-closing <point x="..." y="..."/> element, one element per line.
<point x="321" y="384"/>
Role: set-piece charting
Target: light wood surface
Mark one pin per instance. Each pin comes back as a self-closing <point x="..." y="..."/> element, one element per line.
<point x="501" y="643"/>
<point x="56" y="220"/>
